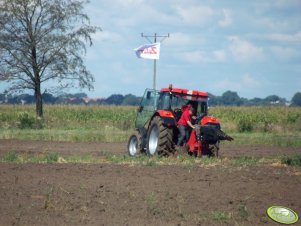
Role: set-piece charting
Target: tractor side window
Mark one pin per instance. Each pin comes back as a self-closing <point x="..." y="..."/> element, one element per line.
<point x="164" y="101"/>
<point x="202" y="109"/>
<point x="147" y="107"/>
<point x="150" y="99"/>
<point x="177" y="102"/>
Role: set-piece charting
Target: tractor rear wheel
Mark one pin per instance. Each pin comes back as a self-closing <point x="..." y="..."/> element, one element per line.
<point x="159" y="139"/>
<point x="134" y="147"/>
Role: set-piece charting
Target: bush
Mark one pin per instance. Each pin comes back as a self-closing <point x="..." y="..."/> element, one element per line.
<point x="27" y="121"/>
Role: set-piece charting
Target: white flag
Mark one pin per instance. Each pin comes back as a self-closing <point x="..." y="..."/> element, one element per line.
<point x="149" y="51"/>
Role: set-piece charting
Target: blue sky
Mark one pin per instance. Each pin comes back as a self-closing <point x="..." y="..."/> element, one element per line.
<point x="251" y="47"/>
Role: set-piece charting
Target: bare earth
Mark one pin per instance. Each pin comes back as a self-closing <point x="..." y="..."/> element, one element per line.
<point x="112" y="194"/>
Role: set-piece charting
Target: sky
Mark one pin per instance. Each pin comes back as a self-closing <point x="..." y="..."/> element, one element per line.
<point x="251" y="47"/>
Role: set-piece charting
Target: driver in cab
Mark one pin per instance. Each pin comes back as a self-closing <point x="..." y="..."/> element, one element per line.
<point x="184" y="123"/>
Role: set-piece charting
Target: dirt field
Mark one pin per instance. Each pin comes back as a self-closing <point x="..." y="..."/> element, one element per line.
<point x="112" y="194"/>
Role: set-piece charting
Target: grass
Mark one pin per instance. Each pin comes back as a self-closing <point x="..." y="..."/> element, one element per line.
<point x="291" y="160"/>
<point x="10" y="157"/>
<point x="14" y="157"/>
<point x="152" y="204"/>
<point x="188" y="162"/>
<point x="242" y="210"/>
<point x="48" y="200"/>
<point x="106" y="134"/>
<point x="245" y="161"/>
<point x="235" y="217"/>
<point x="284" y="140"/>
<point x="273" y="126"/>
<point x="220" y="216"/>
<point x="51" y="157"/>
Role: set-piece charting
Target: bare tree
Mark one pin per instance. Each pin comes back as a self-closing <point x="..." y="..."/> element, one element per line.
<point x="43" y="40"/>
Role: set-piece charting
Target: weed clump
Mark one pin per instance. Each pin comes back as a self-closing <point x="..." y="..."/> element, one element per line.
<point x="51" y="157"/>
<point x="10" y="156"/>
<point x="292" y="161"/>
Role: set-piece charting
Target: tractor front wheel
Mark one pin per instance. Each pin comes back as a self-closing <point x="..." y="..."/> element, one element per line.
<point x="159" y="139"/>
<point x="133" y="145"/>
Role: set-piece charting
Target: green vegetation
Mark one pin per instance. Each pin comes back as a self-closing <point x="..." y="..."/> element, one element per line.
<point x="245" y="161"/>
<point x="67" y="123"/>
<point x="242" y="209"/>
<point x="13" y="157"/>
<point x="273" y="126"/>
<point x="285" y="139"/>
<point x="10" y="157"/>
<point x="51" y="157"/>
<point x="152" y="204"/>
<point x="188" y="162"/>
<point x="292" y="160"/>
<point x="221" y="216"/>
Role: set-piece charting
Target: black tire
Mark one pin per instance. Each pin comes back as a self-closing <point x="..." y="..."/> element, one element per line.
<point x="133" y="146"/>
<point x="159" y="139"/>
<point x="214" y="149"/>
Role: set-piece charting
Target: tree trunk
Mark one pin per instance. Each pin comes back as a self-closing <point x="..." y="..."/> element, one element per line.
<point x="38" y="99"/>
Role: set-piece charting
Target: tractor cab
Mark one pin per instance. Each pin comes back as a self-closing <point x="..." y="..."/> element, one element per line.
<point x="168" y="103"/>
<point x="175" y="100"/>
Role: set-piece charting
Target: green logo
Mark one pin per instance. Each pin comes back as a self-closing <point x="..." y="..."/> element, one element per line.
<point x="282" y="215"/>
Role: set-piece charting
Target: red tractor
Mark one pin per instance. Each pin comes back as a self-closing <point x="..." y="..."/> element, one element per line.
<point x="157" y="118"/>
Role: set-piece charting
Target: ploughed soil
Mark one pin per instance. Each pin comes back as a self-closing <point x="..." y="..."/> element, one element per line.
<point x="125" y="194"/>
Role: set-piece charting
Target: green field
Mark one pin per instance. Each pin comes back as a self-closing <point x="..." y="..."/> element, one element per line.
<point x="274" y="126"/>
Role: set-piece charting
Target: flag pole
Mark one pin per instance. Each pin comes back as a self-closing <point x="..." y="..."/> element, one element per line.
<point x="155" y="66"/>
<point x="155" y="61"/>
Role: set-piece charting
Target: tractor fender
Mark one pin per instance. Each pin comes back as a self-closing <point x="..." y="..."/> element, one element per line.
<point x="209" y="120"/>
<point x="166" y="116"/>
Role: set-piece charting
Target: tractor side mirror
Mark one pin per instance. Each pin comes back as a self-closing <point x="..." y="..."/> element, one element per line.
<point x="140" y="109"/>
<point x="148" y="95"/>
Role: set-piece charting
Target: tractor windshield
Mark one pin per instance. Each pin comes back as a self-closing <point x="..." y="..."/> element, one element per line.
<point x="175" y="102"/>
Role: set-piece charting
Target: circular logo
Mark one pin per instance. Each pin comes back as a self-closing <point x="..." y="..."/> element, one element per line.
<point x="282" y="214"/>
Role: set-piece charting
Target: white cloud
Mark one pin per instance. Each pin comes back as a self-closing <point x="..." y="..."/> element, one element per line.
<point x="127" y="3"/>
<point x="284" y="53"/>
<point x="285" y="37"/>
<point x="194" y="57"/>
<point x="240" y="84"/>
<point x="194" y="15"/>
<point x="227" y="20"/>
<point x="264" y="7"/>
<point x="203" y="56"/>
<point x="219" y="55"/>
<point x="105" y="36"/>
<point x="226" y="84"/>
<point x="243" y="50"/>
<point x="247" y="81"/>
<point x="184" y="39"/>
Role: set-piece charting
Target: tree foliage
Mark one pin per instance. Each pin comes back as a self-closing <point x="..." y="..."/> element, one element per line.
<point x="296" y="100"/>
<point x="130" y="99"/>
<point x="43" y="40"/>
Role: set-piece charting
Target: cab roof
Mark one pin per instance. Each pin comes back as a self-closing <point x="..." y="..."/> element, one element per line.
<point x="185" y="92"/>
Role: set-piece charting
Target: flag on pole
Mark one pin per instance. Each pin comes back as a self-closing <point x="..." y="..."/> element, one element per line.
<point x="149" y="51"/>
